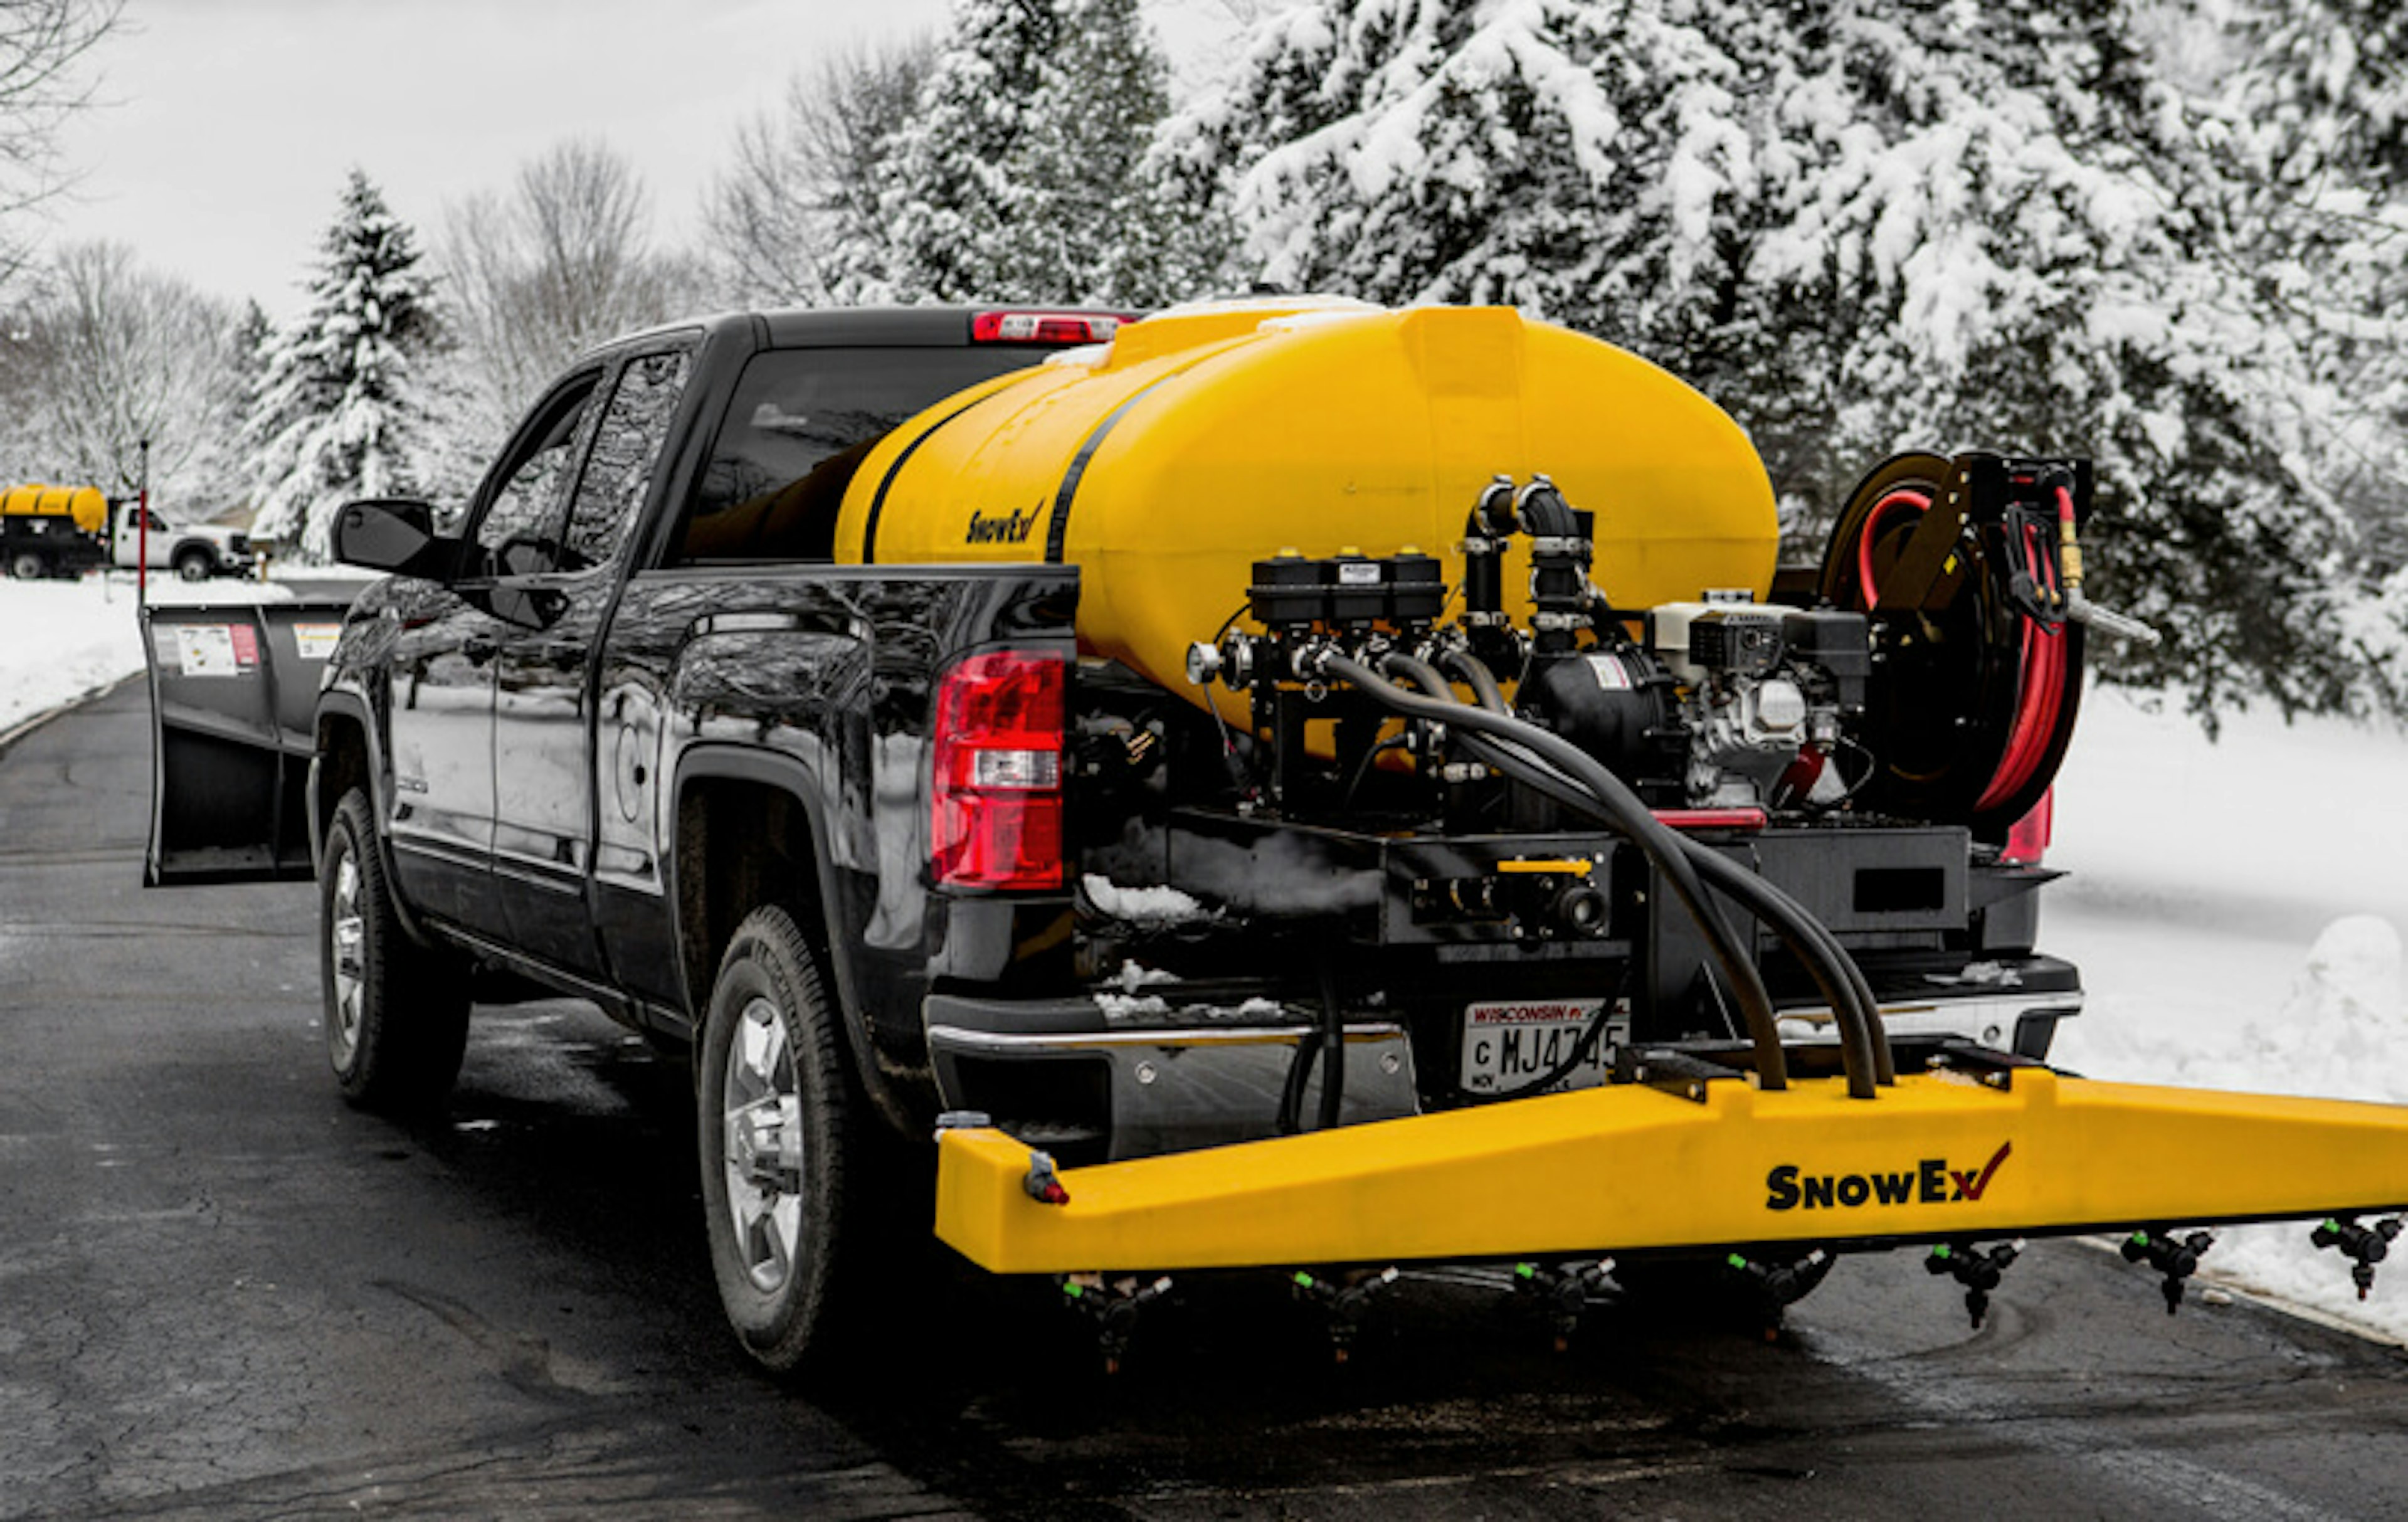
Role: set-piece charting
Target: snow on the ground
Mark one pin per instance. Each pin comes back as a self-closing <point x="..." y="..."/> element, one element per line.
<point x="2236" y="911"/>
<point x="2236" y="908"/>
<point x="60" y="641"/>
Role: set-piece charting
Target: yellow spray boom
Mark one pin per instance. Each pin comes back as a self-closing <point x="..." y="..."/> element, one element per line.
<point x="1978" y="1151"/>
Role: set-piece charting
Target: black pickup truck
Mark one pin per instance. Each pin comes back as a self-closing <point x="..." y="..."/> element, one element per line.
<point x="876" y="842"/>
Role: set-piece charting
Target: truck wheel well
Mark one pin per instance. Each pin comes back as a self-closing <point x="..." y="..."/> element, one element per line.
<point x="342" y="765"/>
<point x="739" y="845"/>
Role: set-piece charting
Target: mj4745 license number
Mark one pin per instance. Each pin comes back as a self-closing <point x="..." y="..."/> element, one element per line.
<point x="1509" y="1044"/>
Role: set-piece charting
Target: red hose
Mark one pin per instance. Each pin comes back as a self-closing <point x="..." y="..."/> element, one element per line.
<point x="1919" y="501"/>
<point x="2042" y="684"/>
<point x="2040" y="673"/>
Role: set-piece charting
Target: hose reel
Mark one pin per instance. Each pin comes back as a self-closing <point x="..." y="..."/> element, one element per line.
<point x="1967" y="571"/>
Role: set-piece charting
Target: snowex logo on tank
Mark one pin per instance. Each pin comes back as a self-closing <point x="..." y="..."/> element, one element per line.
<point x="1012" y="528"/>
<point x="1930" y="1180"/>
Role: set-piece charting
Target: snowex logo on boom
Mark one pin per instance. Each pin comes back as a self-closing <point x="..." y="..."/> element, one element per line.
<point x="1013" y="528"/>
<point x="1930" y="1181"/>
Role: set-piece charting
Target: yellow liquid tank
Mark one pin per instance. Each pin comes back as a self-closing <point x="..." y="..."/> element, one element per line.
<point x="1165" y="464"/>
<point x="84" y="504"/>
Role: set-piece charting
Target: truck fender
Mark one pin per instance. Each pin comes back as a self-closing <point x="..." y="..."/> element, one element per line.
<point x="349" y="706"/>
<point x="788" y="775"/>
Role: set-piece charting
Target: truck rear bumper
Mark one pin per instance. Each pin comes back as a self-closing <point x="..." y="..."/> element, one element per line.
<point x="1115" y="1076"/>
<point x="1131" y="1076"/>
<point x="2023" y="1024"/>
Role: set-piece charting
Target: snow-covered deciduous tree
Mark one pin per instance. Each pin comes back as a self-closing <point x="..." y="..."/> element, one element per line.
<point x="340" y="413"/>
<point x="106" y="355"/>
<point x="1862" y="225"/>
<point x="807" y="176"/>
<point x="1025" y="172"/>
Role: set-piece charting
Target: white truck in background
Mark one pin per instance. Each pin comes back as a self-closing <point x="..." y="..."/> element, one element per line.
<point x="49" y="531"/>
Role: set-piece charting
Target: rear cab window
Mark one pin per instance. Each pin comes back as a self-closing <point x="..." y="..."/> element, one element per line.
<point x="799" y="425"/>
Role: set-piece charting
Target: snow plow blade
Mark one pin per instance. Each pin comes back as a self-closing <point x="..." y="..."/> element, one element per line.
<point x="234" y="699"/>
<point x="2017" y="1151"/>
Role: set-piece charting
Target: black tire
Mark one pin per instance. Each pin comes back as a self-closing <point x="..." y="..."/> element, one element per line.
<point x="786" y="1227"/>
<point x="397" y="1010"/>
<point x="196" y="565"/>
<point x="28" y="566"/>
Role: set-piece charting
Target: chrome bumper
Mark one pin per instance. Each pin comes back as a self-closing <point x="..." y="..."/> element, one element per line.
<point x="1184" y="1079"/>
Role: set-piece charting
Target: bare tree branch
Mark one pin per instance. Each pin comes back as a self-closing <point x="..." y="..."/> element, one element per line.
<point x="105" y="354"/>
<point x="45" y="45"/>
<point x="562" y="262"/>
<point x="801" y="168"/>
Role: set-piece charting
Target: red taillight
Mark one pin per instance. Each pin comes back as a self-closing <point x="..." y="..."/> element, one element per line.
<point x="1044" y="327"/>
<point x="2028" y="843"/>
<point x="996" y="820"/>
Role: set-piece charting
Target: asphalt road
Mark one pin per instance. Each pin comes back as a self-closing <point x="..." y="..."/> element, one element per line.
<point x="224" y="1295"/>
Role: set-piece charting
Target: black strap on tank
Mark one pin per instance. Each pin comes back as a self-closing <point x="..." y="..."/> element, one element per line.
<point x="886" y="483"/>
<point x="1058" y="530"/>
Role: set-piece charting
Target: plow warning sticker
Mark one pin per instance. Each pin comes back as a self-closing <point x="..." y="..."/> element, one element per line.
<point x="216" y="649"/>
<point x="316" y="642"/>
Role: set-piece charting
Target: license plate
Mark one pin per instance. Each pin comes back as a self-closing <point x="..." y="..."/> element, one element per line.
<point x="1510" y="1042"/>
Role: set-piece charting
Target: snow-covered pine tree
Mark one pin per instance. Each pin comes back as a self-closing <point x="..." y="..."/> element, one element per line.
<point x="1023" y="173"/>
<point x="1860" y="226"/>
<point x="1999" y="230"/>
<point x="2316" y="102"/>
<point x="253" y="336"/>
<point x="337" y="415"/>
<point x="1590" y="163"/>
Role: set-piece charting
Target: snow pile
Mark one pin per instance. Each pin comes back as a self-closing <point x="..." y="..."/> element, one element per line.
<point x="1156" y="906"/>
<point x="2344" y="1020"/>
<point x="60" y="641"/>
<point x="2343" y="1035"/>
<point x="2237" y="912"/>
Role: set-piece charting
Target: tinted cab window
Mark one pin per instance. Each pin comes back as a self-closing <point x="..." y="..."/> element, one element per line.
<point x="802" y="422"/>
<point x="627" y="441"/>
<point x="514" y="531"/>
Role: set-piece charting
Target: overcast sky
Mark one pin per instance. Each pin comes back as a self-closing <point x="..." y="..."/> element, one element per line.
<point x="232" y="121"/>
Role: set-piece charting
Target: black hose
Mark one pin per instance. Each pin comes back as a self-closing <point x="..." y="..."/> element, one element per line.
<point x="1326" y="1041"/>
<point x="1855" y="1009"/>
<point x="1865" y="1048"/>
<point x="1582" y="1045"/>
<point x="1662" y="846"/>
<point x="1333" y="1047"/>
<point x="1291" y="1112"/>
<point x="1428" y="676"/>
<point x="1835" y="973"/>
<point x="1474" y="673"/>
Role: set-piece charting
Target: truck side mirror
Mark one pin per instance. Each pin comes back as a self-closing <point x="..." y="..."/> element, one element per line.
<point x="394" y="533"/>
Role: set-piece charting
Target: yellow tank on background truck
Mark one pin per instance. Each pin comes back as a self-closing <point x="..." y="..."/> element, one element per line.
<point x="64" y="531"/>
